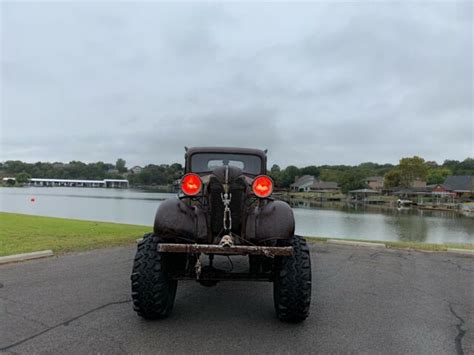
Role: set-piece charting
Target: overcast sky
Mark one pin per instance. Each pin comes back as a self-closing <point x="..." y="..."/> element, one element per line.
<point x="315" y="83"/>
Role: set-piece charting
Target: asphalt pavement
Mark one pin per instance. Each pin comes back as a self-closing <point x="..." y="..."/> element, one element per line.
<point x="364" y="301"/>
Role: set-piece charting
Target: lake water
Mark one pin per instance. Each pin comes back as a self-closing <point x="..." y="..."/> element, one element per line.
<point x="139" y="207"/>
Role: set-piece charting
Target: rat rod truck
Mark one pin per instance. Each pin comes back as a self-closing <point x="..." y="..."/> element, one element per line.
<point x="225" y="207"/>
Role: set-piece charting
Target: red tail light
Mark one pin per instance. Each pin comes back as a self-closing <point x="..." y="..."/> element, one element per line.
<point x="262" y="186"/>
<point x="191" y="184"/>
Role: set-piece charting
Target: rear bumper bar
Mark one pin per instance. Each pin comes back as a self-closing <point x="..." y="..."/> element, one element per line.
<point x="218" y="249"/>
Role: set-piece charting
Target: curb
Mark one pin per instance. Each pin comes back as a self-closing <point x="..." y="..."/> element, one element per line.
<point x="139" y="240"/>
<point x="461" y="251"/>
<point x="354" y="243"/>
<point x="25" y="256"/>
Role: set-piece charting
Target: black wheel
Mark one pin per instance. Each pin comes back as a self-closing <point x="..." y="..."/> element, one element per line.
<point x="153" y="289"/>
<point x="292" y="284"/>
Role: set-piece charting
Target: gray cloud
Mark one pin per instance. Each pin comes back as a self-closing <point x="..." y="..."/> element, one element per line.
<point x="313" y="83"/>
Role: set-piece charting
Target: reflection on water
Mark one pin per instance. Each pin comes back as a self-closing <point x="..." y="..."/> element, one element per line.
<point x="312" y="219"/>
<point x="382" y="223"/>
<point x="110" y="205"/>
<point x="133" y="196"/>
<point x="410" y="229"/>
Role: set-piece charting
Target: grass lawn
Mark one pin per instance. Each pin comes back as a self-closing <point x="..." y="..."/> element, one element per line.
<point x="23" y="233"/>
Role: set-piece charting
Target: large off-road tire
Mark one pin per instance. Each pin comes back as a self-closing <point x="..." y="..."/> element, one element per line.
<point x="292" y="283"/>
<point x="153" y="289"/>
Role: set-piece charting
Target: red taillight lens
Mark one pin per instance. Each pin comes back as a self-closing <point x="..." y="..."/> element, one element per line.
<point x="191" y="184"/>
<point x="262" y="186"/>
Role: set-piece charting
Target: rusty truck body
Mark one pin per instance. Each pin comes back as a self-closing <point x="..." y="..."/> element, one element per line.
<point x="224" y="207"/>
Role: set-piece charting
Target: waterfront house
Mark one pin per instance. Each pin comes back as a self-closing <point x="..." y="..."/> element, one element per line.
<point x="431" y="194"/>
<point x="307" y="183"/>
<point x="417" y="183"/>
<point x="440" y="189"/>
<point x="374" y="182"/>
<point x="303" y="183"/>
<point x="324" y="186"/>
<point x="136" y="169"/>
<point x="463" y="186"/>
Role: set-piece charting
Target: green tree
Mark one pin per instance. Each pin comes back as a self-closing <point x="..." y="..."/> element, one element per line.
<point x="289" y="175"/>
<point x="331" y="175"/>
<point x="275" y="174"/>
<point x="432" y="164"/>
<point x="412" y="169"/>
<point x="451" y="165"/>
<point x="466" y="167"/>
<point x="310" y="170"/>
<point x="120" y="166"/>
<point x="11" y="182"/>
<point x="76" y="170"/>
<point x="438" y="175"/>
<point x="352" y="180"/>
<point x="177" y="167"/>
<point x="275" y="168"/>
<point x="15" y="166"/>
<point x="22" y="177"/>
<point x="392" y="179"/>
<point x="173" y="172"/>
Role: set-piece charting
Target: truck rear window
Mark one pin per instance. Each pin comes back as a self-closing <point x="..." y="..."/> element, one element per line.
<point x="206" y="162"/>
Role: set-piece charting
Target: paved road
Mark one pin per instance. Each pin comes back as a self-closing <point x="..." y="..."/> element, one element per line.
<point x="364" y="300"/>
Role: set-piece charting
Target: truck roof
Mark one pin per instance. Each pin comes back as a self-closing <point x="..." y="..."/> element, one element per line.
<point x="229" y="150"/>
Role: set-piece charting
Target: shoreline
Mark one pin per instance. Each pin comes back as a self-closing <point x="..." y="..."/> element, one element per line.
<point x="21" y="233"/>
<point x="309" y="202"/>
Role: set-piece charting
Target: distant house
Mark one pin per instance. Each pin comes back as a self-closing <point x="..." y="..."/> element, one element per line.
<point x="416" y="188"/>
<point x="9" y="180"/>
<point x="374" y="182"/>
<point x="310" y="183"/>
<point x="417" y="183"/>
<point x="136" y="169"/>
<point x="463" y="186"/>
<point x="413" y="192"/>
<point x="439" y="189"/>
<point x="303" y="183"/>
<point x="326" y="186"/>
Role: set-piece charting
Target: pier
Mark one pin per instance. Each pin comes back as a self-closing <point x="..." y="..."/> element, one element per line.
<point x="108" y="183"/>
